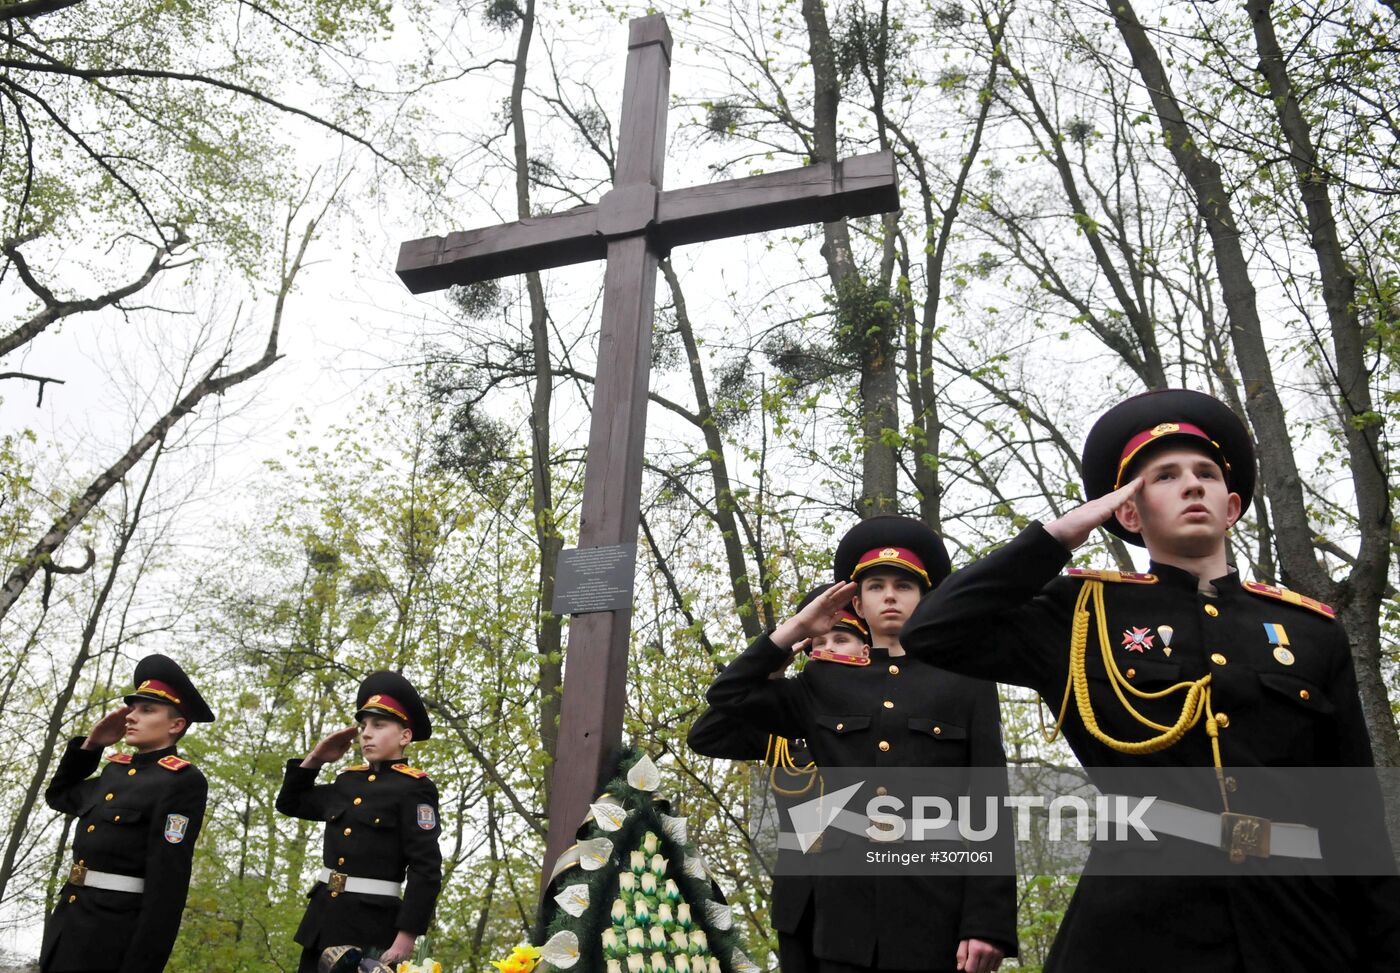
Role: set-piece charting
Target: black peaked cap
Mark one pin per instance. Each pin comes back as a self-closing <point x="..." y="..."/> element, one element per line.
<point x="890" y="531"/>
<point x="399" y="689"/>
<point x="1157" y="413"/>
<point x="160" y="679"/>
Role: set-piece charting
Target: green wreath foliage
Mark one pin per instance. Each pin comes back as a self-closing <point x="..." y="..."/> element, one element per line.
<point x="651" y="906"/>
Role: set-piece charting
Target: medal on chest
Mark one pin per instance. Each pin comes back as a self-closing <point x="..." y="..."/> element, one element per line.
<point x="1137" y="639"/>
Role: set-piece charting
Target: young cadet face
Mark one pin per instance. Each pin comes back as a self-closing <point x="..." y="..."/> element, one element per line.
<point x="382" y="738"/>
<point x="1184" y="507"/>
<point x="886" y="600"/>
<point x="152" y="726"/>
<point x="839" y="640"/>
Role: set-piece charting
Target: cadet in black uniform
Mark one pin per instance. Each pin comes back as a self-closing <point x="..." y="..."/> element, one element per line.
<point x="1273" y="685"/>
<point x="792" y="777"/>
<point x="137" y="824"/>
<point x="381" y="824"/>
<point x="893" y="712"/>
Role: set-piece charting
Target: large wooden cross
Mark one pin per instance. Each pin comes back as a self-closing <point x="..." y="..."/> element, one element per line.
<point x="633" y="226"/>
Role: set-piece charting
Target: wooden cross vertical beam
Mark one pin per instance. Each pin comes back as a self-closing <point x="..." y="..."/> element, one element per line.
<point x="595" y="677"/>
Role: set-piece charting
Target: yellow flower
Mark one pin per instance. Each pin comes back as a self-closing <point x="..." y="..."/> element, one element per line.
<point x="522" y="959"/>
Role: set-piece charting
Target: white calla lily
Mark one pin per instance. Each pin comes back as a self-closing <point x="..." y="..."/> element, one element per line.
<point x="561" y="951"/>
<point x="644" y="776"/>
<point x="741" y="963"/>
<point x="609" y="817"/>
<point x="675" y="828"/>
<point x="594" y="854"/>
<point x="720" y="915"/>
<point x="573" y="900"/>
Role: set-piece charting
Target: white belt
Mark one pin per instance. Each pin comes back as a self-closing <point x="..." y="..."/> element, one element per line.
<point x="859" y="824"/>
<point x="340" y="882"/>
<point x="1240" y="835"/>
<point x="86" y="878"/>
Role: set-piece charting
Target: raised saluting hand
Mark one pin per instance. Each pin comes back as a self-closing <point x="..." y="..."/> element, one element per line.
<point x="1074" y="528"/>
<point x="332" y="748"/>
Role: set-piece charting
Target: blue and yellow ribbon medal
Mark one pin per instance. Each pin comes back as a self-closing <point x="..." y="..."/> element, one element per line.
<point x="1278" y="638"/>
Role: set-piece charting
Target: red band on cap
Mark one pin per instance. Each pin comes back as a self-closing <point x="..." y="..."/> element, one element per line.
<point x="387" y="704"/>
<point x="156" y="690"/>
<point x="900" y="557"/>
<point x="1135" y="445"/>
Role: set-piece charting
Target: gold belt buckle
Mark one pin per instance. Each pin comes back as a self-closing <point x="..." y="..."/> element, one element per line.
<point x="337" y="882"/>
<point x="78" y="874"/>
<point x="1244" y="836"/>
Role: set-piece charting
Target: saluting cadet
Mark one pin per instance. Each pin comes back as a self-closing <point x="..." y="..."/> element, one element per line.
<point x="883" y="711"/>
<point x="381" y="827"/>
<point x="1220" y="673"/>
<point x="793" y="775"/>
<point x="137" y="824"/>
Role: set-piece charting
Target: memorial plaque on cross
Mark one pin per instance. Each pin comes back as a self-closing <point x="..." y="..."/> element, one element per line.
<point x="632" y="227"/>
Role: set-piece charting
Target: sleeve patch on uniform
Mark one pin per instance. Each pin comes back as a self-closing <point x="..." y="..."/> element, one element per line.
<point x="175" y="827"/>
<point x="427" y="817"/>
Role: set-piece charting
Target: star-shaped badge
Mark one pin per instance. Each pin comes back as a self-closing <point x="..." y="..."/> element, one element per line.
<point x="1137" y="639"/>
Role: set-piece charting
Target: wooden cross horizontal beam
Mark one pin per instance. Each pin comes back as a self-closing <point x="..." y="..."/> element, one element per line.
<point x="859" y="186"/>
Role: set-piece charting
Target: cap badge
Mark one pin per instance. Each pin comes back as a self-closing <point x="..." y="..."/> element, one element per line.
<point x="889" y="552"/>
<point x="1137" y="639"/>
<point x="1162" y="428"/>
<point x="373" y="699"/>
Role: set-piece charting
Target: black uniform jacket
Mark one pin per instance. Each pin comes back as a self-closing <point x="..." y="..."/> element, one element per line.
<point x="1008" y="616"/>
<point x="895" y="712"/>
<point x="381" y="822"/>
<point x="718" y="734"/>
<point x="139" y="817"/>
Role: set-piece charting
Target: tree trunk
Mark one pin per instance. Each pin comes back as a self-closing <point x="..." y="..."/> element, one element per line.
<point x="1364" y="590"/>
<point x="879" y="374"/>
<point x="1277" y="466"/>
<point x="725" y="504"/>
<point x="548" y="632"/>
<point x="59" y="710"/>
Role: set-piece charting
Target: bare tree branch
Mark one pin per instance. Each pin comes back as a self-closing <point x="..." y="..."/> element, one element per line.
<point x="212" y="383"/>
<point x="41" y="379"/>
<point x="34" y="8"/>
<point x="56" y="309"/>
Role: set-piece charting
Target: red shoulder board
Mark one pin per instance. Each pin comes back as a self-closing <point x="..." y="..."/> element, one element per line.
<point x="1291" y="597"/>
<point x="825" y="655"/>
<point x="173" y="762"/>
<point x="356" y="767"/>
<point x="1127" y="577"/>
<point x="120" y="758"/>
<point x="410" y="771"/>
